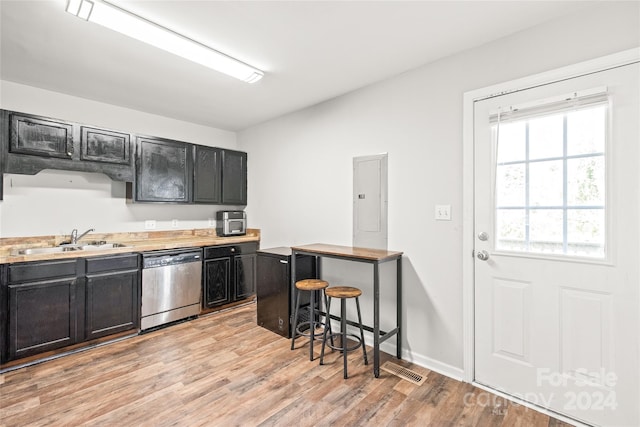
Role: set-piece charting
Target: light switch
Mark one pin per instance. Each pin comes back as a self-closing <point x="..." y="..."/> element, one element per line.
<point x="443" y="212"/>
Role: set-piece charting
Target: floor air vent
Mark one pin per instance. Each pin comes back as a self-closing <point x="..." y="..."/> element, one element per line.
<point x="404" y="373"/>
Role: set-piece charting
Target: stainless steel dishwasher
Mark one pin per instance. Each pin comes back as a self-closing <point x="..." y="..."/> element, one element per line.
<point x="171" y="286"/>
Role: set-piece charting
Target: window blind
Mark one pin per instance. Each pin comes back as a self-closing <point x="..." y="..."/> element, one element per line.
<point x="567" y="102"/>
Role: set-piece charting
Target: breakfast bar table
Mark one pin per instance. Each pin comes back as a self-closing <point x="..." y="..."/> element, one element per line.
<point x="376" y="257"/>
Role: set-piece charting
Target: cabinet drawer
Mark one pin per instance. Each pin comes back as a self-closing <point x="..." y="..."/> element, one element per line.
<point x="34" y="271"/>
<point x="112" y="262"/>
<point x="228" y="250"/>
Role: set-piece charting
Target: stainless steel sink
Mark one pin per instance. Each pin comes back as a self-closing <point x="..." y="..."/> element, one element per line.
<point x="53" y="250"/>
<point x="93" y="246"/>
<point x="87" y="246"/>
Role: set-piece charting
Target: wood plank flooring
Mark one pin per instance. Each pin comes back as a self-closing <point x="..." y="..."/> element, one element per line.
<point x="224" y="370"/>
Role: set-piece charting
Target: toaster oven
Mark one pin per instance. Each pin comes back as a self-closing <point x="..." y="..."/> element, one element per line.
<point x="231" y="223"/>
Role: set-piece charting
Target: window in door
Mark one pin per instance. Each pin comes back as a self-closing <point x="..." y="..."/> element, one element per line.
<point x="550" y="174"/>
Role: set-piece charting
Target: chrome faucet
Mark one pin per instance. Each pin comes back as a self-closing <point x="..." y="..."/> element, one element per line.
<point x="75" y="237"/>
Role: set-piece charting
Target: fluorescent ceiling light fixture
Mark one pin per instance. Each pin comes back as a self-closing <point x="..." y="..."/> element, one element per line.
<point x="131" y="25"/>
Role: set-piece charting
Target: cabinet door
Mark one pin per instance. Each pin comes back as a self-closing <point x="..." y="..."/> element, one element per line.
<point x="245" y="276"/>
<point x="207" y="175"/>
<point x="41" y="136"/>
<point x="42" y="316"/>
<point x="234" y="177"/>
<point x="101" y="145"/>
<point x="217" y="281"/>
<point x="164" y="171"/>
<point x="111" y="303"/>
<point x="4" y="312"/>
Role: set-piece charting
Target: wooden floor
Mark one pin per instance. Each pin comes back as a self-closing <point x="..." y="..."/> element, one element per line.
<point x="224" y="370"/>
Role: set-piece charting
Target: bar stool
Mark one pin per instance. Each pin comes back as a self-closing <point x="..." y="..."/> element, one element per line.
<point x="311" y="285"/>
<point x="343" y="292"/>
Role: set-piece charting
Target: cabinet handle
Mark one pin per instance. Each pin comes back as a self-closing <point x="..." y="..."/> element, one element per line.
<point x="284" y="261"/>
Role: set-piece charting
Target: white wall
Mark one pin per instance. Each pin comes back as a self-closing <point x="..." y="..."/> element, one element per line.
<point x="55" y="202"/>
<point x="301" y="177"/>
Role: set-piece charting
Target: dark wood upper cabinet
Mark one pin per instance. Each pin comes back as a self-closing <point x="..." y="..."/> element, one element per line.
<point x="234" y="177"/>
<point x="155" y="169"/>
<point x="163" y="171"/>
<point x="101" y="145"/>
<point x="32" y="143"/>
<point x="41" y="136"/>
<point x="207" y="175"/>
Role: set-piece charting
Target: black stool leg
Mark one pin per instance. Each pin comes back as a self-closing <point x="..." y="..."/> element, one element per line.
<point x="324" y="334"/>
<point x="364" y="349"/>
<point x="327" y="320"/>
<point x="294" y="332"/>
<point x="343" y="332"/>
<point x="312" y="323"/>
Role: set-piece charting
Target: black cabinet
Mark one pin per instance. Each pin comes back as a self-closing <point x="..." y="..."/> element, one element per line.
<point x="234" y="177"/>
<point x="274" y="294"/>
<point x="220" y="176"/>
<point x="43" y="307"/>
<point x="107" y="146"/>
<point x="41" y="136"/>
<point x="4" y="312"/>
<point x="112" y="302"/>
<point x="34" y="143"/>
<point x="229" y="273"/>
<point x="47" y="305"/>
<point x="207" y="175"/>
<point x="163" y="170"/>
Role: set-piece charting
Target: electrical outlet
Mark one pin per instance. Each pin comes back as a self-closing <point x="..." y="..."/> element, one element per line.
<point x="174" y="223"/>
<point x="443" y="213"/>
<point x="212" y="222"/>
<point x="150" y="224"/>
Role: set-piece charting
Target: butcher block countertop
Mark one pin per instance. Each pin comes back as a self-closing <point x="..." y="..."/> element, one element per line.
<point x="349" y="252"/>
<point x="134" y="241"/>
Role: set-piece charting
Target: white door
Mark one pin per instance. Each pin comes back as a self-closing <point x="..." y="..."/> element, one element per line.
<point x="370" y="201"/>
<point x="557" y="174"/>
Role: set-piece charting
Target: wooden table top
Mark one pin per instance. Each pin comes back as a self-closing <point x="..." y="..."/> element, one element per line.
<point x="349" y="252"/>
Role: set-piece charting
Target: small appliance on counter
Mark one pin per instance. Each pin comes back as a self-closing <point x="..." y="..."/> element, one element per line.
<point x="231" y="223"/>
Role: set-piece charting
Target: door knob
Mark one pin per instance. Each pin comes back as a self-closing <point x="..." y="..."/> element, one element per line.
<point x="483" y="255"/>
<point x="483" y="236"/>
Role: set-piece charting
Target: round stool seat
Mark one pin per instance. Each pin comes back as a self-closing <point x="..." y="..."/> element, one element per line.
<point x="343" y="292"/>
<point x="311" y="284"/>
<point x="311" y="317"/>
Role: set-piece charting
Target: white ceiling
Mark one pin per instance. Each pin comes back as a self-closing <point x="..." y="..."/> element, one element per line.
<point x="310" y="51"/>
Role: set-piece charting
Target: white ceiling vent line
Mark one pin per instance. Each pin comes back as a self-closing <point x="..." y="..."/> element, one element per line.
<point x="134" y="26"/>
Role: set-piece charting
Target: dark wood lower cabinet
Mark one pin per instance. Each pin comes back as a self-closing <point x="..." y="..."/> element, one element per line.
<point x="55" y="304"/>
<point x="42" y="316"/>
<point x="229" y="273"/>
<point x="217" y="279"/>
<point x="245" y="276"/>
<point x="112" y="295"/>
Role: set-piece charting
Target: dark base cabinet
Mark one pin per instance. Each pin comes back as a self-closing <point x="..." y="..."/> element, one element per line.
<point x="48" y="305"/>
<point x="43" y="309"/>
<point x="229" y="273"/>
<point x="273" y="288"/>
<point x="112" y="295"/>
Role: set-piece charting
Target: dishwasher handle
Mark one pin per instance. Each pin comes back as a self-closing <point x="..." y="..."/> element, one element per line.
<point x="167" y="260"/>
